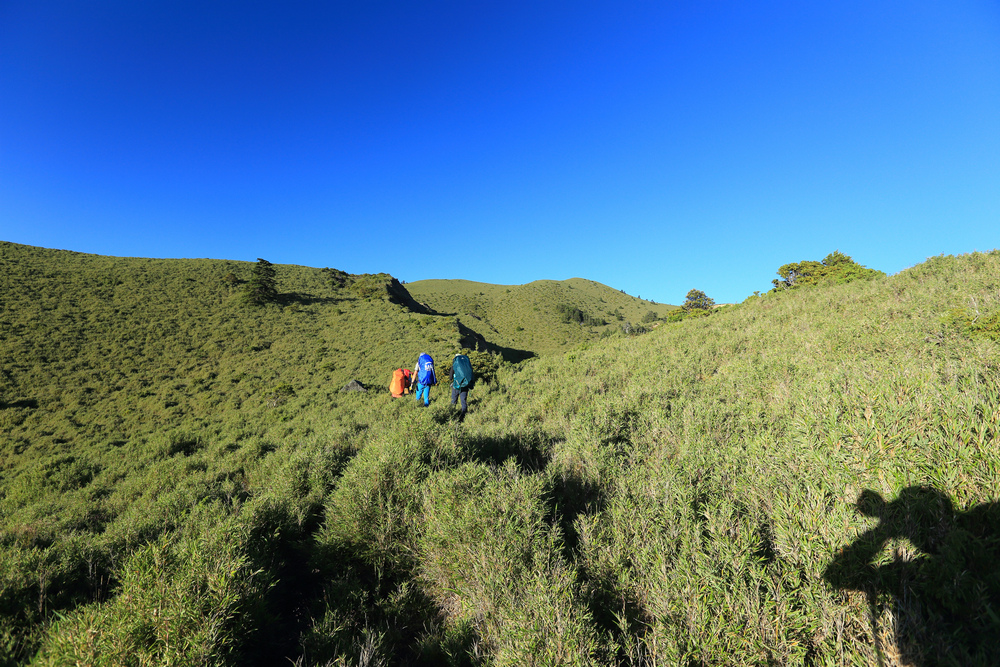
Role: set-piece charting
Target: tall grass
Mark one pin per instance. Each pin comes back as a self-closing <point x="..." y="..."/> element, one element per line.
<point x="804" y="478"/>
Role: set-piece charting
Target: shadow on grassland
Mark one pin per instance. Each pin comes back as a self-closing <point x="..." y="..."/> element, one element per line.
<point x="946" y="600"/>
<point x="531" y="453"/>
<point x="366" y="614"/>
<point x="26" y="403"/>
<point x="300" y="299"/>
<point x="473" y="340"/>
<point x="570" y="494"/>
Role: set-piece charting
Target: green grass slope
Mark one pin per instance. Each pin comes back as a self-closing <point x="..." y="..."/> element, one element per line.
<point x="528" y="317"/>
<point x="103" y="349"/>
<point x="805" y="478"/>
<point x="111" y="343"/>
<point x="111" y="366"/>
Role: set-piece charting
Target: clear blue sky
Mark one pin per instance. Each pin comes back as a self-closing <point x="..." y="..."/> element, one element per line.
<point x="652" y="146"/>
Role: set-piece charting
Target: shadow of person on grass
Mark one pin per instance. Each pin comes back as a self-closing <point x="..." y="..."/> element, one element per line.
<point x="946" y="598"/>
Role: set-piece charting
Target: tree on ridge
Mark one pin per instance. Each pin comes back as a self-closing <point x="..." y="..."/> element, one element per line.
<point x="698" y="300"/>
<point x="262" y="287"/>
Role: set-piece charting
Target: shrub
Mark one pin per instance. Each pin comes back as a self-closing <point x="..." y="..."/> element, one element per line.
<point x="970" y="323"/>
<point x="280" y="395"/>
<point x="485" y="365"/>
<point x="335" y="277"/>
<point x="630" y="329"/>
<point x="179" y="602"/>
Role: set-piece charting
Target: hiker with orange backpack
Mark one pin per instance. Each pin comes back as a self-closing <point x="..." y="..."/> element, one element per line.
<point x="425" y="377"/>
<point x="400" y="383"/>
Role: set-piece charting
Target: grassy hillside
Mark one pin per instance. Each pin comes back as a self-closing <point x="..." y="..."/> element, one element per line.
<point x="806" y="478"/>
<point x="119" y="347"/>
<point x="529" y="317"/>
<point x="117" y="374"/>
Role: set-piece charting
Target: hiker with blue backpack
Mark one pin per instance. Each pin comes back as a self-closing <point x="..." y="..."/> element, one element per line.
<point x="424" y="372"/>
<point x="462" y="380"/>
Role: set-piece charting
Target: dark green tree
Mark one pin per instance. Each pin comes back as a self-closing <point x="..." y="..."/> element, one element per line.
<point x="262" y="287"/>
<point x="698" y="300"/>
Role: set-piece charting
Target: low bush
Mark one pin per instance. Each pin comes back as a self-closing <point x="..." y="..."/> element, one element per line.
<point x="185" y="600"/>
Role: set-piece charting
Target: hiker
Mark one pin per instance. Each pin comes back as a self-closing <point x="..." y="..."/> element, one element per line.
<point x="400" y="383"/>
<point x="424" y="372"/>
<point x="461" y="382"/>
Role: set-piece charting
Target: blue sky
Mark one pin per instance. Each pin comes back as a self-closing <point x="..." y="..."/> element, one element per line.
<point x="655" y="147"/>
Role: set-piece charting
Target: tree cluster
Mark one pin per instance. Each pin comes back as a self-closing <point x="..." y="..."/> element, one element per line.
<point x="835" y="269"/>
<point x="572" y="314"/>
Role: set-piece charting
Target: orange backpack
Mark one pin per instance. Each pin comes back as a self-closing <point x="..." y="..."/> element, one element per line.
<point x="400" y="382"/>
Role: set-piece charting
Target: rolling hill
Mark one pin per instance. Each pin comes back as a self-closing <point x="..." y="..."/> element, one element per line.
<point x="535" y="316"/>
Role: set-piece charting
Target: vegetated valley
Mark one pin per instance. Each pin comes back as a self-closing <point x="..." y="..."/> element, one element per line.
<point x="808" y="477"/>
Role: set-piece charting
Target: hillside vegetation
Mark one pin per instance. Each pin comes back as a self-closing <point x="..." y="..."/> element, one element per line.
<point x="544" y="316"/>
<point x="806" y="478"/>
<point x="113" y="349"/>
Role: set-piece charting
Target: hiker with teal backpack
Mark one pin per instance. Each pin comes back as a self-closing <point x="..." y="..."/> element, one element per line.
<point x="425" y="377"/>
<point x="462" y="380"/>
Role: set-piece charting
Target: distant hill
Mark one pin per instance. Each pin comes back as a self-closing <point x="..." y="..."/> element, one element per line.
<point x="538" y="316"/>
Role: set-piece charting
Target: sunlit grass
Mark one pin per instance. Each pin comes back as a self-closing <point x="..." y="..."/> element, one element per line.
<point x="183" y="480"/>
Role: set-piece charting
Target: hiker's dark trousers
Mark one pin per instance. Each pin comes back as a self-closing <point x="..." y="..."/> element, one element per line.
<point x="460" y="393"/>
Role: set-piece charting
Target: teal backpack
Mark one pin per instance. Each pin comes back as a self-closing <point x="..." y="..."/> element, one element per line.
<point x="461" y="372"/>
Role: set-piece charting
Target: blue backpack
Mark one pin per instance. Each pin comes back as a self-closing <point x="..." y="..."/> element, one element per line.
<point x="425" y="370"/>
<point x="461" y="372"/>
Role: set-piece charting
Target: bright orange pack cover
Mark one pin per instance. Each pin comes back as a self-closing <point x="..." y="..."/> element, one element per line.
<point x="400" y="382"/>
